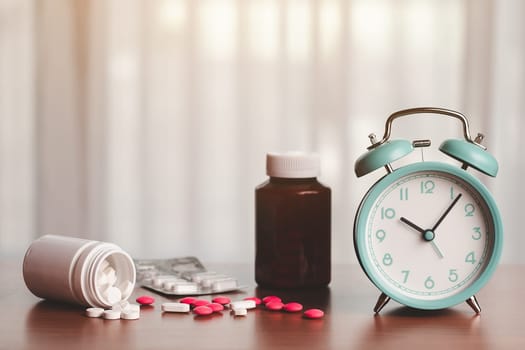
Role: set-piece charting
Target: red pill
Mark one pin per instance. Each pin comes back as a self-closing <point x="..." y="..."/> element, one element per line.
<point x="270" y="298"/>
<point x="313" y="313"/>
<point x="202" y="310"/>
<point x="187" y="300"/>
<point x="145" y="300"/>
<point x="258" y="301"/>
<point x="200" y="302"/>
<point x="216" y="307"/>
<point x="274" y="305"/>
<point x="292" y="307"/>
<point x="221" y="300"/>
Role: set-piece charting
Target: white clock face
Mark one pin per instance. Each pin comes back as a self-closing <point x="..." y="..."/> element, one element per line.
<point x="429" y="235"/>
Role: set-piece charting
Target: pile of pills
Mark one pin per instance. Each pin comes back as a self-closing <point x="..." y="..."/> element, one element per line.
<point x="121" y="310"/>
<point x="202" y="307"/>
<point x="106" y="283"/>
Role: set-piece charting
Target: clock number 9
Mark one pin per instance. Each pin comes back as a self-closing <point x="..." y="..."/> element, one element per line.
<point x="380" y="235"/>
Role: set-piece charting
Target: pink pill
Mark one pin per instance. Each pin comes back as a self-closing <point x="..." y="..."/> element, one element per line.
<point x="257" y="300"/>
<point x="202" y="310"/>
<point x="270" y="298"/>
<point x="200" y="302"/>
<point x="274" y="305"/>
<point x="216" y="307"/>
<point x="313" y="313"/>
<point x="145" y="300"/>
<point x="221" y="300"/>
<point x="292" y="307"/>
<point x="187" y="300"/>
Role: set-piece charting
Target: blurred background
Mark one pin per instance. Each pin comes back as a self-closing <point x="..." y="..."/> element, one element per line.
<point x="146" y="122"/>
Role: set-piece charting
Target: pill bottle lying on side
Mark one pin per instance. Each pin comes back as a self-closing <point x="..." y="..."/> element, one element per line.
<point x="79" y="271"/>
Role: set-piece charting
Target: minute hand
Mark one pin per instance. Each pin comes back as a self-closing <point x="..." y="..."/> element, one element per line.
<point x="446" y="212"/>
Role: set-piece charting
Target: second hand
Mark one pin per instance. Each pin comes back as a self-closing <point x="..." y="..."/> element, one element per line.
<point x="427" y="235"/>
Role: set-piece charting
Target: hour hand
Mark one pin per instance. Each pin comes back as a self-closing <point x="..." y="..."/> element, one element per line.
<point x="427" y="235"/>
<point x="411" y="224"/>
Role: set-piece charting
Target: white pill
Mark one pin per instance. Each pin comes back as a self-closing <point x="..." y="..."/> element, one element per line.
<point x="94" y="312"/>
<point x="199" y="276"/>
<point x="225" y="284"/>
<point x="159" y="280"/>
<point x="167" y="285"/>
<point x="175" y="307"/>
<point x="126" y="288"/>
<point x="240" y="311"/>
<point x="133" y="307"/>
<point x="185" y="288"/>
<point x="113" y="295"/>
<point x="120" y="306"/>
<point x="130" y="315"/>
<point x="145" y="267"/>
<point x="102" y="278"/>
<point x="104" y="265"/>
<point x="111" y="275"/>
<point x="242" y="304"/>
<point x="111" y="315"/>
<point x="206" y="282"/>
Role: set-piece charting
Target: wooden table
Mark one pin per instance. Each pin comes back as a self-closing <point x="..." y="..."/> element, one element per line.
<point x="27" y="322"/>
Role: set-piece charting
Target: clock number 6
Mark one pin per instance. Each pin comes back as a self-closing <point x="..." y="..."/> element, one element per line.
<point x="429" y="283"/>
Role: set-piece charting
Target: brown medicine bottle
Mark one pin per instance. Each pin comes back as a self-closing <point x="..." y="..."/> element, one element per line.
<point x="292" y="224"/>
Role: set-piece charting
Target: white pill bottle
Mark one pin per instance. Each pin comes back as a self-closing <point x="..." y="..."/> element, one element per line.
<point x="74" y="270"/>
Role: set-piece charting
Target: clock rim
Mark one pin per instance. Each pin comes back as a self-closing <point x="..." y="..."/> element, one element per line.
<point x="367" y="265"/>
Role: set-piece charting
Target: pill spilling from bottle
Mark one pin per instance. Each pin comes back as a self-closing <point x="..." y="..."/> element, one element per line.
<point x="202" y="307"/>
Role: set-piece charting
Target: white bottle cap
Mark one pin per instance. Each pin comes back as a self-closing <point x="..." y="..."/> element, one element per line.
<point x="292" y="165"/>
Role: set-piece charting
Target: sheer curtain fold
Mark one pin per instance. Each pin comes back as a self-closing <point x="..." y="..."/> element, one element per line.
<point x="146" y="123"/>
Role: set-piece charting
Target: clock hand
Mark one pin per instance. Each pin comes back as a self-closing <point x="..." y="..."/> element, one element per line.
<point x="446" y="212"/>
<point x="428" y="235"/>
<point x="411" y="224"/>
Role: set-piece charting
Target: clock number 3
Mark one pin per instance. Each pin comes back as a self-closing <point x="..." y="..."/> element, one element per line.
<point x="477" y="233"/>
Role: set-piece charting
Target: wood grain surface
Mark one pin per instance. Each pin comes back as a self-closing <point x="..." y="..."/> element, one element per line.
<point x="27" y="322"/>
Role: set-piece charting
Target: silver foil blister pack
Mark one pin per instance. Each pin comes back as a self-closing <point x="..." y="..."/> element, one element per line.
<point x="182" y="276"/>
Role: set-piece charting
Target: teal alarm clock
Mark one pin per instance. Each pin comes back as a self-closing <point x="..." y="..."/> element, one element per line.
<point x="428" y="234"/>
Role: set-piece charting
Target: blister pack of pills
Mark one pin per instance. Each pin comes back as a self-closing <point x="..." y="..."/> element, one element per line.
<point x="182" y="276"/>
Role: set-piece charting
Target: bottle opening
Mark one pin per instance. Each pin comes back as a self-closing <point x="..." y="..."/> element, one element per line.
<point x="111" y="278"/>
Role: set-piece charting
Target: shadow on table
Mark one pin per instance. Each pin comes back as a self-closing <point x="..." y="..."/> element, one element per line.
<point x="49" y="322"/>
<point x="429" y="329"/>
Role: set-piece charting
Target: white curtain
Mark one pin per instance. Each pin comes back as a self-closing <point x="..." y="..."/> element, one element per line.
<point x="146" y="123"/>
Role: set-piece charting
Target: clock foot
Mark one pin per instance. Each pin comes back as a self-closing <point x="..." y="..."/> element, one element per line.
<point x="381" y="302"/>
<point x="473" y="303"/>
